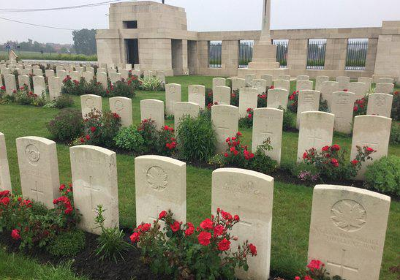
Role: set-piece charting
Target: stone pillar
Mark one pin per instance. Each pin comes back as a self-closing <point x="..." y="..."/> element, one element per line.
<point x="335" y="56"/>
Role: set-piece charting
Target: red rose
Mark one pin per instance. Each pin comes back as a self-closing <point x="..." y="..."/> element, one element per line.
<point x="5" y="201"/>
<point x="253" y="249"/>
<point x="334" y="162"/>
<point x="226" y="155"/>
<point x="204" y="238"/>
<point x="335" y="147"/>
<point x="224" y="245"/>
<point x="15" y="234"/>
<point x="206" y="224"/>
<point x="355" y="108"/>
<point x="190" y="230"/>
<point x="135" y="237"/>
<point x="175" y="226"/>
<point x="82" y="140"/>
<point x="236" y="218"/>
<point x="325" y="149"/>
<point x="218" y="230"/>
<point x="370" y="150"/>
<point x="62" y="187"/>
<point x="354" y="162"/>
<point x="297" y="278"/>
<point x="162" y="215"/>
<point x="314" y="264"/>
<point x="239" y="134"/>
<point x="305" y="155"/>
<point x="227" y="216"/>
<point x="249" y="116"/>
<point x="93" y="128"/>
<point x="88" y="137"/>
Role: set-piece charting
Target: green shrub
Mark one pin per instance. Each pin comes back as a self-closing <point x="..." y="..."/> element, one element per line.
<point x="289" y="120"/>
<point x="384" y="175"/>
<point x="323" y="105"/>
<point x="395" y="133"/>
<point x="247" y="121"/>
<point x="121" y="88"/>
<point x="235" y="98"/>
<point x="149" y="134"/>
<point x="64" y="101"/>
<point x="396" y="106"/>
<point x="111" y="241"/>
<point x="151" y="84"/>
<point x="100" y="129"/>
<point x="66" y="125"/>
<point x="129" y="138"/>
<point x="196" y="138"/>
<point x="67" y="244"/>
<point x="25" y="97"/>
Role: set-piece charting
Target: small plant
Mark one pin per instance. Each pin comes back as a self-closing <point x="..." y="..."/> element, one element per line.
<point x="383" y="175"/>
<point x="210" y="97"/>
<point x="186" y="253"/>
<point x="289" y="120"/>
<point x="67" y="125"/>
<point x="323" y="105"/>
<point x="151" y="84"/>
<point x="130" y="139"/>
<point x="247" y="122"/>
<point x="166" y="142"/>
<point x="395" y="133"/>
<point x="235" y="98"/>
<point x="316" y="271"/>
<point x="331" y="161"/>
<point x="26" y="97"/>
<point x="111" y="241"/>
<point x="293" y="101"/>
<point x="196" y="138"/>
<point x="360" y="106"/>
<point x="396" y="106"/>
<point x="63" y="101"/>
<point x="149" y="134"/>
<point x="67" y="244"/>
<point x="262" y="100"/>
<point x="122" y="88"/>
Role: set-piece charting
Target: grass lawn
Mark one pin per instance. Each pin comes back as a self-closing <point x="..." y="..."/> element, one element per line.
<point x="292" y="203"/>
<point x="48" y="56"/>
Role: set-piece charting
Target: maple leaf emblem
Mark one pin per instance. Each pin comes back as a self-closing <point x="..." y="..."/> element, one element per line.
<point x="348" y="215"/>
<point x="157" y="178"/>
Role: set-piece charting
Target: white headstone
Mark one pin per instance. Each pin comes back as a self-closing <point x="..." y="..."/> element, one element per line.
<point x="38" y="168"/>
<point x="282" y="84"/>
<point x="152" y="109"/>
<point x="90" y="102"/>
<point x="225" y="119"/>
<point x="10" y="83"/>
<point x="327" y="89"/>
<point x="88" y="76"/>
<point x="161" y="77"/>
<point x="385" y="81"/>
<point x="260" y="85"/>
<point x="62" y="74"/>
<point x="222" y="95"/>
<point x="316" y="131"/>
<point x="367" y="81"/>
<point x="343" y="82"/>
<point x="277" y="98"/>
<point x="54" y="87"/>
<point x="173" y="93"/>
<point x="347" y="231"/>
<point x="75" y="76"/>
<point x="359" y="89"/>
<point x="303" y="78"/>
<point x="384" y="88"/>
<point x="94" y="177"/>
<point x="23" y="81"/>
<point x="197" y="94"/>
<point x="49" y="73"/>
<point x="247" y="99"/>
<point x="160" y="184"/>
<point x="304" y="85"/>
<point x="37" y="72"/>
<point x="102" y="78"/>
<point x="124" y="74"/>
<point x="184" y="109"/>
<point x="115" y="77"/>
<point x="308" y="101"/>
<point x="219" y="82"/>
<point x="123" y="107"/>
<point x="238" y="83"/>
<point x="268" y="123"/>
<point x="148" y="74"/>
<point x="374" y="132"/>
<point x="319" y="81"/>
<point x="342" y="107"/>
<point x="249" y="195"/>
<point x="380" y="104"/>
<point x="249" y="79"/>
<point x="269" y="79"/>
<point x="5" y="181"/>
<point x="39" y="85"/>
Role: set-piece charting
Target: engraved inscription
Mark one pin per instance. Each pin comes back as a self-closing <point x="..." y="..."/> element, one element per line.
<point x="119" y="106"/>
<point x="348" y="215"/>
<point x="157" y="178"/>
<point x="32" y="154"/>
<point x="89" y="103"/>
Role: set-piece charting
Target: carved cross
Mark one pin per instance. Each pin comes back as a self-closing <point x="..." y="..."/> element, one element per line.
<point x="152" y="218"/>
<point x="314" y="138"/>
<point x="243" y="226"/>
<point x="36" y="191"/>
<point x="341" y="265"/>
<point x="91" y="189"/>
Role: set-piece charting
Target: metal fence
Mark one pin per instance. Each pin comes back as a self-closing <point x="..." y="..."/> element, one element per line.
<point x="245" y="53"/>
<point x="316" y="53"/>
<point x="215" y="54"/>
<point x="281" y="52"/>
<point x="356" y="54"/>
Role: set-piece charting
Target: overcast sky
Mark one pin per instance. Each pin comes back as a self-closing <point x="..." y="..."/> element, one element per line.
<point x="203" y="15"/>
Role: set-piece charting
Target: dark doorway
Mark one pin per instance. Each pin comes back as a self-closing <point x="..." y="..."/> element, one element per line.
<point x="132" y="51"/>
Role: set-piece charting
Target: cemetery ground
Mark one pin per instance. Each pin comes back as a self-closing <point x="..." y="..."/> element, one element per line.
<point x="49" y="56"/>
<point x="291" y="207"/>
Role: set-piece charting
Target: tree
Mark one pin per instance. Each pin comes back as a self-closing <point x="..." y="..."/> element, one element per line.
<point x="85" y="41"/>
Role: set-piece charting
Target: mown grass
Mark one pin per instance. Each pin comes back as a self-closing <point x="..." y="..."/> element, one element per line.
<point x="49" y="56"/>
<point x="292" y="203"/>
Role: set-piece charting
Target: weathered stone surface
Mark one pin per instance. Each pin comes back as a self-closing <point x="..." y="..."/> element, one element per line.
<point x="347" y="231"/>
<point x="282" y="84"/>
<point x="88" y="76"/>
<point x="374" y="132"/>
<point x="123" y="107"/>
<point x="268" y="124"/>
<point x="308" y="101"/>
<point x="247" y="99"/>
<point x="222" y="95"/>
<point x="152" y="109"/>
<point x="319" y="81"/>
<point x="173" y="93"/>
<point x="197" y="94"/>
<point x="316" y="131"/>
<point x="39" y="85"/>
<point x="10" y="83"/>
<point x="103" y="79"/>
<point x="359" y="89"/>
<point x="367" y="81"/>
<point x="90" y="102"/>
<point x="304" y="85"/>
<point x="342" y="107"/>
<point x="54" y="87"/>
<point x="327" y="89"/>
<point x="219" y="82"/>
<point x="160" y="184"/>
<point x="23" y="81"/>
<point x="5" y="181"/>
<point x="38" y="168"/>
<point x="269" y="79"/>
<point x="248" y="194"/>
<point x="225" y="119"/>
<point x="115" y="77"/>
<point x="384" y="88"/>
<point x="380" y="104"/>
<point x="277" y="98"/>
<point x="260" y="85"/>
<point x="94" y="177"/>
<point x="185" y="109"/>
<point x="238" y="83"/>
<point x="343" y="82"/>
<point x="249" y="79"/>
<point x="303" y="78"/>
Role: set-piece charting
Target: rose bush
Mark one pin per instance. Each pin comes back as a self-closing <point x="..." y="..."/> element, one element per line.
<point x="186" y="252"/>
<point x="316" y="271"/>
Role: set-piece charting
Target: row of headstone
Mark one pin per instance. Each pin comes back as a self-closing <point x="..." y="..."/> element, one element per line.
<point x="348" y="225"/>
<point x="119" y="105"/>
